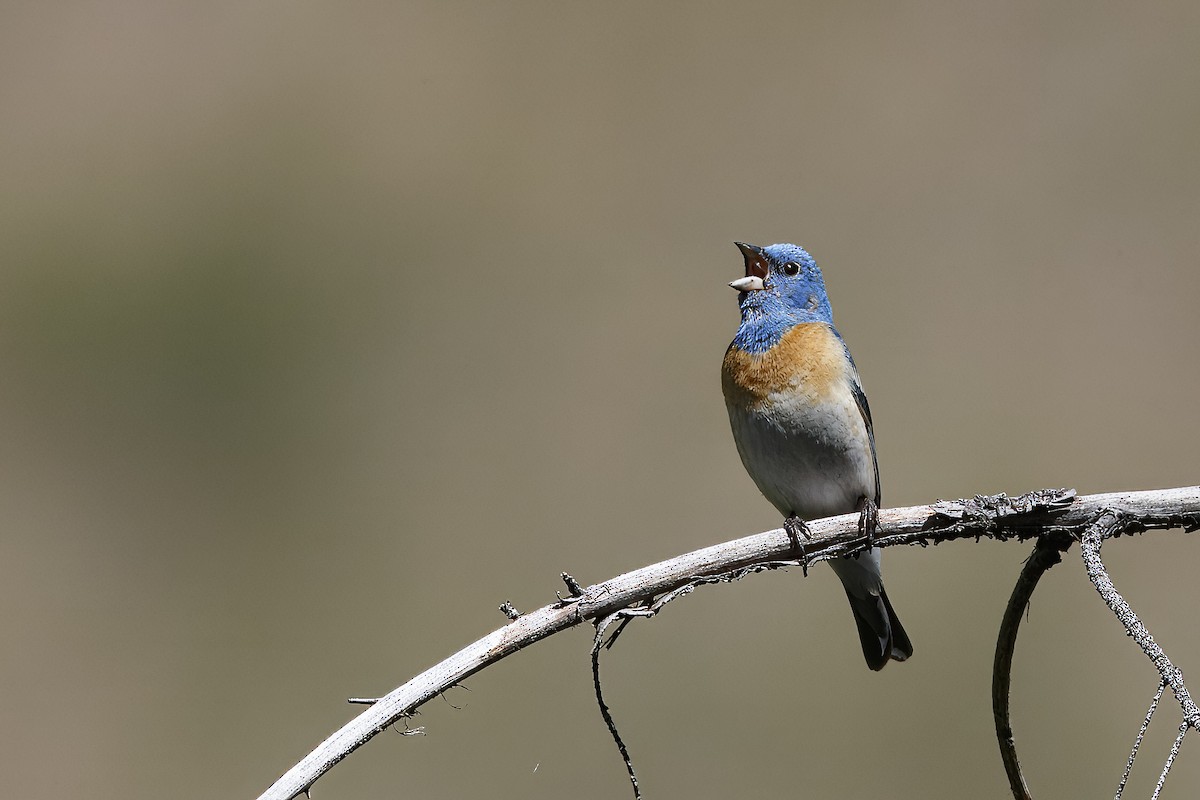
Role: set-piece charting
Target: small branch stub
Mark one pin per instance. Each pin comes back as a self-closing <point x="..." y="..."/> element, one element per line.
<point x="572" y="585"/>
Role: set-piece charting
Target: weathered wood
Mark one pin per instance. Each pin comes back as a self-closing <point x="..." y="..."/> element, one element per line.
<point x="993" y="517"/>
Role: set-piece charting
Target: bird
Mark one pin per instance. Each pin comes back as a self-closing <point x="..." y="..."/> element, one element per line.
<point x="802" y="425"/>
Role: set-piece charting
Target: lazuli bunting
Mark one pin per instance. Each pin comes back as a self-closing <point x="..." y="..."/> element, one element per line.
<point x="802" y="424"/>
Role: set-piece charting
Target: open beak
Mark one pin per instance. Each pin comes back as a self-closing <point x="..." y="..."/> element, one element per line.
<point x="756" y="268"/>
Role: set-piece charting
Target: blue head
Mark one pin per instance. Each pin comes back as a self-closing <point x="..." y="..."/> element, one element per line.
<point x="783" y="287"/>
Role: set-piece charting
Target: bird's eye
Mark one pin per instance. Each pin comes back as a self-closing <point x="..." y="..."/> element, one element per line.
<point x="791" y="268"/>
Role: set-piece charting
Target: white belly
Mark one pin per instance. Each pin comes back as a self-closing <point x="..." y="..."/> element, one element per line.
<point x="810" y="460"/>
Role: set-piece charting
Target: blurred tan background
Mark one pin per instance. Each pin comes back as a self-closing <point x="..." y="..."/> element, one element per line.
<point x="326" y="328"/>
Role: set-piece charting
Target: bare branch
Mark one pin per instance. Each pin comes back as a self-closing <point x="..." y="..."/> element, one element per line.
<point x="597" y="646"/>
<point x="1162" y="778"/>
<point x="996" y="517"/>
<point x="1046" y="553"/>
<point x="1113" y="523"/>
<point x="645" y="611"/>
<point x="1110" y="523"/>
<point x="1137" y="743"/>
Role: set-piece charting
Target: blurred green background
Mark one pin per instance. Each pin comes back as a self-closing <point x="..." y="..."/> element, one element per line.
<point x="325" y="328"/>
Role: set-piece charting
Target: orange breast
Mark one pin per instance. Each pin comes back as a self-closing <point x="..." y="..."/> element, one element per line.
<point x="808" y="360"/>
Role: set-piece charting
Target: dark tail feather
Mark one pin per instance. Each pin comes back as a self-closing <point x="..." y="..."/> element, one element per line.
<point x="901" y="646"/>
<point x="879" y="630"/>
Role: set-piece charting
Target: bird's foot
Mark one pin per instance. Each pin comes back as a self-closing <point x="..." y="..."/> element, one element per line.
<point x="868" y="520"/>
<point x="797" y="529"/>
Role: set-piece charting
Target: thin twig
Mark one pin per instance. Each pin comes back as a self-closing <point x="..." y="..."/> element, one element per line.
<point x="996" y="517"/>
<point x="605" y="713"/>
<point x="1046" y="553"/>
<point x="1162" y="778"/>
<point x="1137" y="743"/>
<point x="627" y="615"/>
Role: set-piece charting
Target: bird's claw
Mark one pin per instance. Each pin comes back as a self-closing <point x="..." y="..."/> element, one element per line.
<point x="796" y="530"/>
<point x="868" y="520"/>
